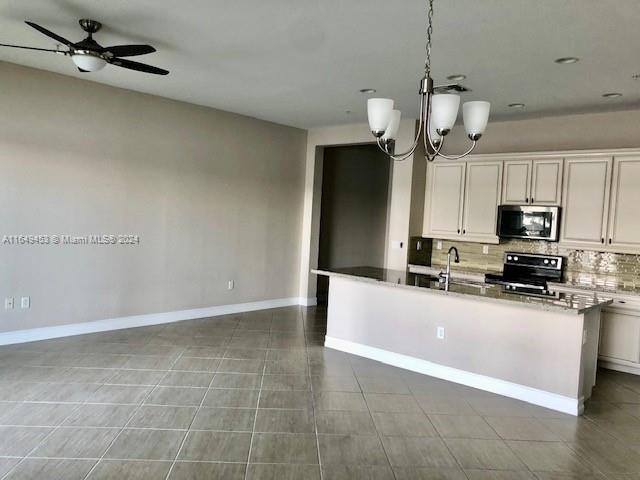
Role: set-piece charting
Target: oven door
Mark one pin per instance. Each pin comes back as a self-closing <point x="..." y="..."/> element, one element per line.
<point x="536" y="223"/>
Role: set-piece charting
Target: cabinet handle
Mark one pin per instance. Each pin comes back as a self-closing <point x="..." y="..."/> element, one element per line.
<point x="532" y="200"/>
<point x="526" y="199"/>
<point x="609" y="241"/>
<point x="464" y="231"/>
<point x="602" y="240"/>
<point x="458" y="231"/>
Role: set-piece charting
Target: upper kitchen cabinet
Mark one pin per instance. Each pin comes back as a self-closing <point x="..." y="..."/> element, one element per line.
<point x="461" y="201"/>
<point x="517" y="182"/>
<point x="535" y="181"/>
<point x="585" y="206"/>
<point x="624" y="228"/>
<point x="482" y="195"/>
<point x="444" y="199"/>
<point x="546" y="181"/>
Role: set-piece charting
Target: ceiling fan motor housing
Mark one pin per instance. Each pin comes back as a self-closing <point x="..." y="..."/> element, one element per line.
<point x="90" y="26"/>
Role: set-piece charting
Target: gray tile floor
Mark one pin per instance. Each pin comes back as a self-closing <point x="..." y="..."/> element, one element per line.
<point x="256" y="396"/>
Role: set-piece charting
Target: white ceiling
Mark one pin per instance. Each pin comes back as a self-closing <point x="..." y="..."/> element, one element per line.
<point x="302" y="62"/>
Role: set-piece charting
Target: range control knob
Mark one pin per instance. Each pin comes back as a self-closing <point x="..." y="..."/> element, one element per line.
<point x="553" y="262"/>
<point x="509" y="257"/>
<point x="515" y="259"/>
<point x="546" y="261"/>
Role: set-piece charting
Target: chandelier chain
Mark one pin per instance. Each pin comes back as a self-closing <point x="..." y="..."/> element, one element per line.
<point x="427" y="63"/>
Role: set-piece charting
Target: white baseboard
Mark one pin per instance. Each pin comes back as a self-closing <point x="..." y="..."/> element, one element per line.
<point x="308" y="302"/>
<point x="45" y="333"/>
<point x="549" y="400"/>
<point x="619" y="365"/>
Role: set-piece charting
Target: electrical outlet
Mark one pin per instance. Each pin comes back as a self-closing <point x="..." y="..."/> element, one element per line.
<point x="8" y="303"/>
<point x="485" y="249"/>
<point x="25" y="302"/>
<point x="440" y="333"/>
<point x="439" y="245"/>
<point x="231" y="284"/>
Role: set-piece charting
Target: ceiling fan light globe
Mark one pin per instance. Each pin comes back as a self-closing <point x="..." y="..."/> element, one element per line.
<point x="379" y="114"/>
<point x="88" y="62"/>
<point x="444" y="111"/>
<point x="475" y="116"/>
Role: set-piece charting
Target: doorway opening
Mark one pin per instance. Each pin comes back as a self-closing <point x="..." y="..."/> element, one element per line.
<point x="353" y="211"/>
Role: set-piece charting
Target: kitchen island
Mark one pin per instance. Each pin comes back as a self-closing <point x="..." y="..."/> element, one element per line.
<point x="539" y="350"/>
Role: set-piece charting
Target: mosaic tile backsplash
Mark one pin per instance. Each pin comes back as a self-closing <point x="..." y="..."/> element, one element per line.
<point x="583" y="267"/>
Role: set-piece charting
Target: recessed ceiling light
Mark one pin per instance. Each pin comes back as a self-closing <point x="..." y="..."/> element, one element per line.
<point x="457" y="77"/>
<point x="516" y="105"/>
<point x="612" y="95"/>
<point x="567" y="60"/>
<point x="368" y="90"/>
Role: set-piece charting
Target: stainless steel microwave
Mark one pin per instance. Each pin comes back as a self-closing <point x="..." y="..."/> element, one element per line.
<point x="528" y="221"/>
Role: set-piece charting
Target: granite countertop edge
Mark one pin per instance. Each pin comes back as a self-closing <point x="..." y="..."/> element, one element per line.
<point x="538" y="304"/>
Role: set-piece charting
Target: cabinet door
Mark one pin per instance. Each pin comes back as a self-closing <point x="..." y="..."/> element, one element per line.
<point x="517" y="179"/>
<point x="587" y="183"/>
<point x="546" y="182"/>
<point x="446" y="191"/>
<point x="482" y="196"/>
<point x="624" y="227"/>
<point x="620" y="336"/>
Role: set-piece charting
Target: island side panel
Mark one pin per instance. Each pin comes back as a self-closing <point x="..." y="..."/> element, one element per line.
<point x="535" y="348"/>
<point x="590" y="351"/>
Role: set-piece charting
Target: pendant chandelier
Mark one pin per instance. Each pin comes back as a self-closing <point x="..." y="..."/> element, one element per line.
<point x="438" y="112"/>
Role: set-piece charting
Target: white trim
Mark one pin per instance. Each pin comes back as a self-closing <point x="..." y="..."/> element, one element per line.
<point x="619" y="365"/>
<point x="308" y="302"/>
<point x="572" y="406"/>
<point x="44" y="333"/>
<point x="541" y="154"/>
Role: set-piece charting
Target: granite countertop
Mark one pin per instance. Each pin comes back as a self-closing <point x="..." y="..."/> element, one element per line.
<point x="575" y="303"/>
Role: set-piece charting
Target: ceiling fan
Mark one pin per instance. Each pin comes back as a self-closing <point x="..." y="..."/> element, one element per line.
<point x="89" y="56"/>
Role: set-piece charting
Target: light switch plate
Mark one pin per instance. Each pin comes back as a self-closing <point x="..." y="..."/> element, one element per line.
<point x="440" y="333"/>
<point x="25" y="302"/>
<point x="485" y="249"/>
<point x="8" y="303"/>
<point x="439" y="245"/>
<point x="231" y="284"/>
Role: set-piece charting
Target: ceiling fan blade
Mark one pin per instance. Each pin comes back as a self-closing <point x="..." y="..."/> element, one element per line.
<point x="129" y="50"/>
<point x="61" y="52"/>
<point x="50" y="34"/>
<point x="140" y="67"/>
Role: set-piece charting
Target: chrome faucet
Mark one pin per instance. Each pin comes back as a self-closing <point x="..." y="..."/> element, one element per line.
<point x="446" y="277"/>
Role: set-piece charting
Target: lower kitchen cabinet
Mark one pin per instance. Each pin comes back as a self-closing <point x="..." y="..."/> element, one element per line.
<point x="620" y="338"/>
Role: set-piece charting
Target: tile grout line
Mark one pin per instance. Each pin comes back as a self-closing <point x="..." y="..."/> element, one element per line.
<point x="188" y="430"/>
<point x="255" y="418"/>
<point x="313" y="399"/>
<point x="393" y="472"/>
<point x="55" y="429"/>
<point x="133" y="414"/>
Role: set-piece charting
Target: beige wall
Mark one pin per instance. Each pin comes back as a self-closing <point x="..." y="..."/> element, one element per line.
<point x="568" y="132"/>
<point x="213" y="196"/>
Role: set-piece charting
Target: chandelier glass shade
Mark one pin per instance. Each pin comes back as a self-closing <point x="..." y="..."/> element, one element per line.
<point x="438" y="114"/>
